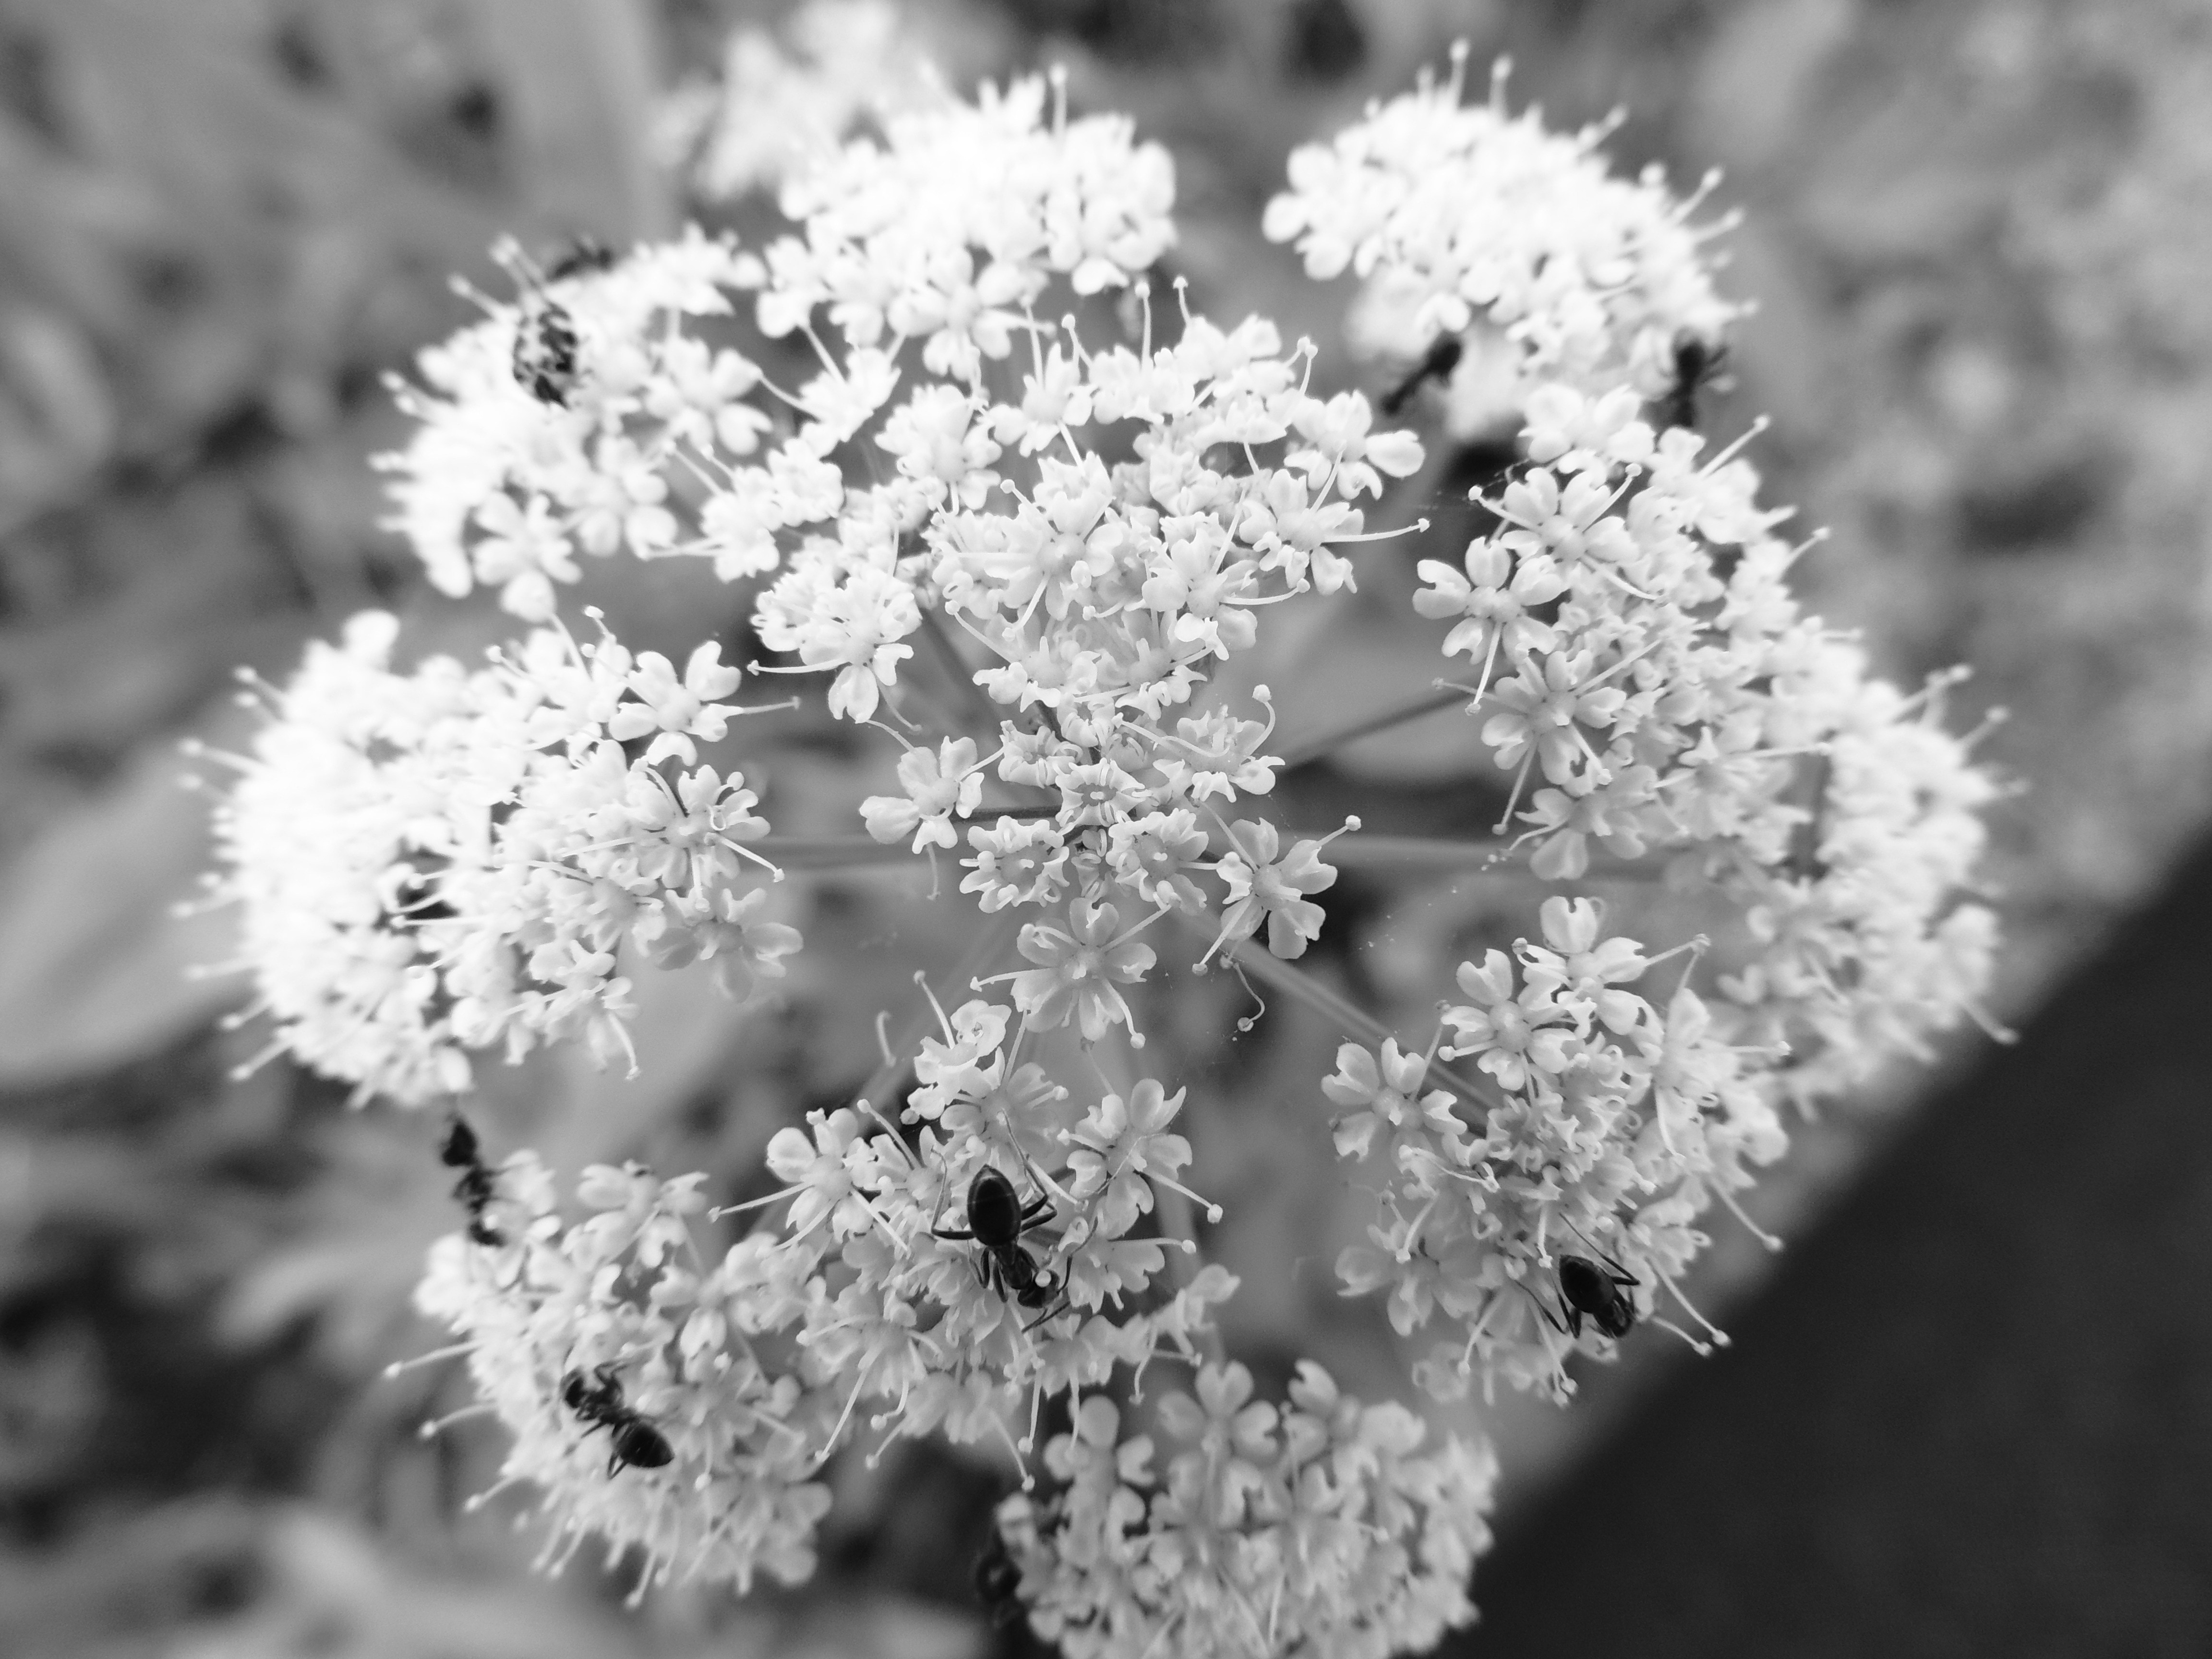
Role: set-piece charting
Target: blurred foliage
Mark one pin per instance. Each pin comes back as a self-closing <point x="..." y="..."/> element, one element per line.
<point x="1981" y="239"/>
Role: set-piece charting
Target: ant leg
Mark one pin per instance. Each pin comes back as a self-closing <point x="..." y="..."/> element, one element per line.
<point x="951" y="1233"/>
<point x="1036" y="1207"/>
<point x="1049" y="1314"/>
<point x="1573" y="1329"/>
<point x="1620" y="1274"/>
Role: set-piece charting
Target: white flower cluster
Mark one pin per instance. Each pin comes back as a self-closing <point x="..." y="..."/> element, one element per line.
<point x="1319" y="1527"/>
<point x="1609" y="1128"/>
<point x="433" y="862"/>
<point x="1639" y="652"/>
<point x="1104" y="597"/>
<point x="950" y="233"/>
<point x="1464" y="217"/>
<point x="1031" y="599"/>
<point x="628" y="1374"/>
<point x="775" y="113"/>
<point x="576" y="419"/>
<point x="886" y="1282"/>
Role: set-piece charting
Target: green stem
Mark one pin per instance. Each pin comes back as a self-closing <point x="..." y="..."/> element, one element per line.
<point x="1418" y="853"/>
<point x="1428" y="702"/>
<point x="990" y="940"/>
<point x="974" y="700"/>
<point x="1411" y="853"/>
<point x="987" y="813"/>
<point x="1301" y="987"/>
<point x="808" y="853"/>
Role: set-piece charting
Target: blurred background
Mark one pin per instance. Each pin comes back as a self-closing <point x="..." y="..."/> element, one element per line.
<point x="1980" y="236"/>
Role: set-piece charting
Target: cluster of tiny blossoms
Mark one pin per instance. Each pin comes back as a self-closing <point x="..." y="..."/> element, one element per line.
<point x="775" y="111"/>
<point x="869" y="1292"/>
<point x="438" y="862"/>
<point x="1474" y="225"/>
<point x="1638" y="660"/>
<point x="1319" y="1527"/>
<point x="1018" y="535"/>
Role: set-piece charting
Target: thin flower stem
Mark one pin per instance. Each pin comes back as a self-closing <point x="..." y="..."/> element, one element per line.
<point x="1428" y="702"/>
<point x="1416" y="852"/>
<point x="975" y="702"/>
<point x="1178" y="1219"/>
<point x="1355" y="1021"/>
<point x="815" y="852"/>
<point x="990" y="941"/>
<point x="988" y="813"/>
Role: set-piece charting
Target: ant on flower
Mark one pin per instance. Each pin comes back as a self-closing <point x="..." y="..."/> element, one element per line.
<point x="546" y="342"/>
<point x="997" y="1218"/>
<point x="1590" y="1292"/>
<point x="1437" y="364"/>
<point x="998" y="1581"/>
<point x="475" y="1189"/>
<point x="637" y="1442"/>
<point x="1697" y="362"/>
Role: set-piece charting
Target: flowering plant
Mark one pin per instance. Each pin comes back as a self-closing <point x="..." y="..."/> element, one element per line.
<point x="1032" y="519"/>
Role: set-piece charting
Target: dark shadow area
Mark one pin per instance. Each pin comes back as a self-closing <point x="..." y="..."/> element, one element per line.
<point x="1973" y="1414"/>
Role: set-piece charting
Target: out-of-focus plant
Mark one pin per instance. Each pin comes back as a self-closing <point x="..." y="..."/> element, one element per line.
<point x="1065" y="549"/>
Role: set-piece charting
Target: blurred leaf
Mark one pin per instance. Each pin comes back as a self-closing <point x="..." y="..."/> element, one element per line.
<point x="362" y="1229"/>
<point x="50" y="1399"/>
<point x="190" y="574"/>
<point x="580" y="78"/>
<point x="96" y="966"/>
<point x="1329" y="669"/>
<point x="180" y="100"/>
<point x="1756" y="79"/>
<point x="140" y="1574"/>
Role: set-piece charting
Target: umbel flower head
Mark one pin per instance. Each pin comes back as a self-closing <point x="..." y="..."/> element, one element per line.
<point x="1470" y="223"/>
<point x="576" y="1333"/>
<point x="444" y="860"/>
<point x="1029" y="553"/>
<point x="1319" y="1526"/>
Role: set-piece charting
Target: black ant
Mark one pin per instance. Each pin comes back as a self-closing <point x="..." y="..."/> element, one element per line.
<point x="637" y="1442"/>
<point x="415" y="901"/>
<point x="545" y="344"/>
<point x="1697" y="362"/>
<point x="475" y="1189"/>
<point x="999" y="1582"/>
<point x="1590" y="1292"/>
<point x="1442" y="357"/>
<point x="582" y="254"/>
<point x="997" y="1218"/>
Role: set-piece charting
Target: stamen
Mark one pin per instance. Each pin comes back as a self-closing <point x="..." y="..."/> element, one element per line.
<point x="1459" y="50"/>
<point x="1750" y="432"/>
<point x="1720" y="1337"/>
<point x="1246" y="1023"/>
<point x="844" y="1417"/>
<point x="477" y="1500"/>
<point x="436" y="1356"/>
<point x="1720" y="1191"/>
<point x="1514" y="800"/>
<point x="1700" y="1348"/>
<point x="1417" y="527"/>
<point x="717" y="1212"/>
<point x="1213" y="1211"/>
<point x="436" y="1427"/>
